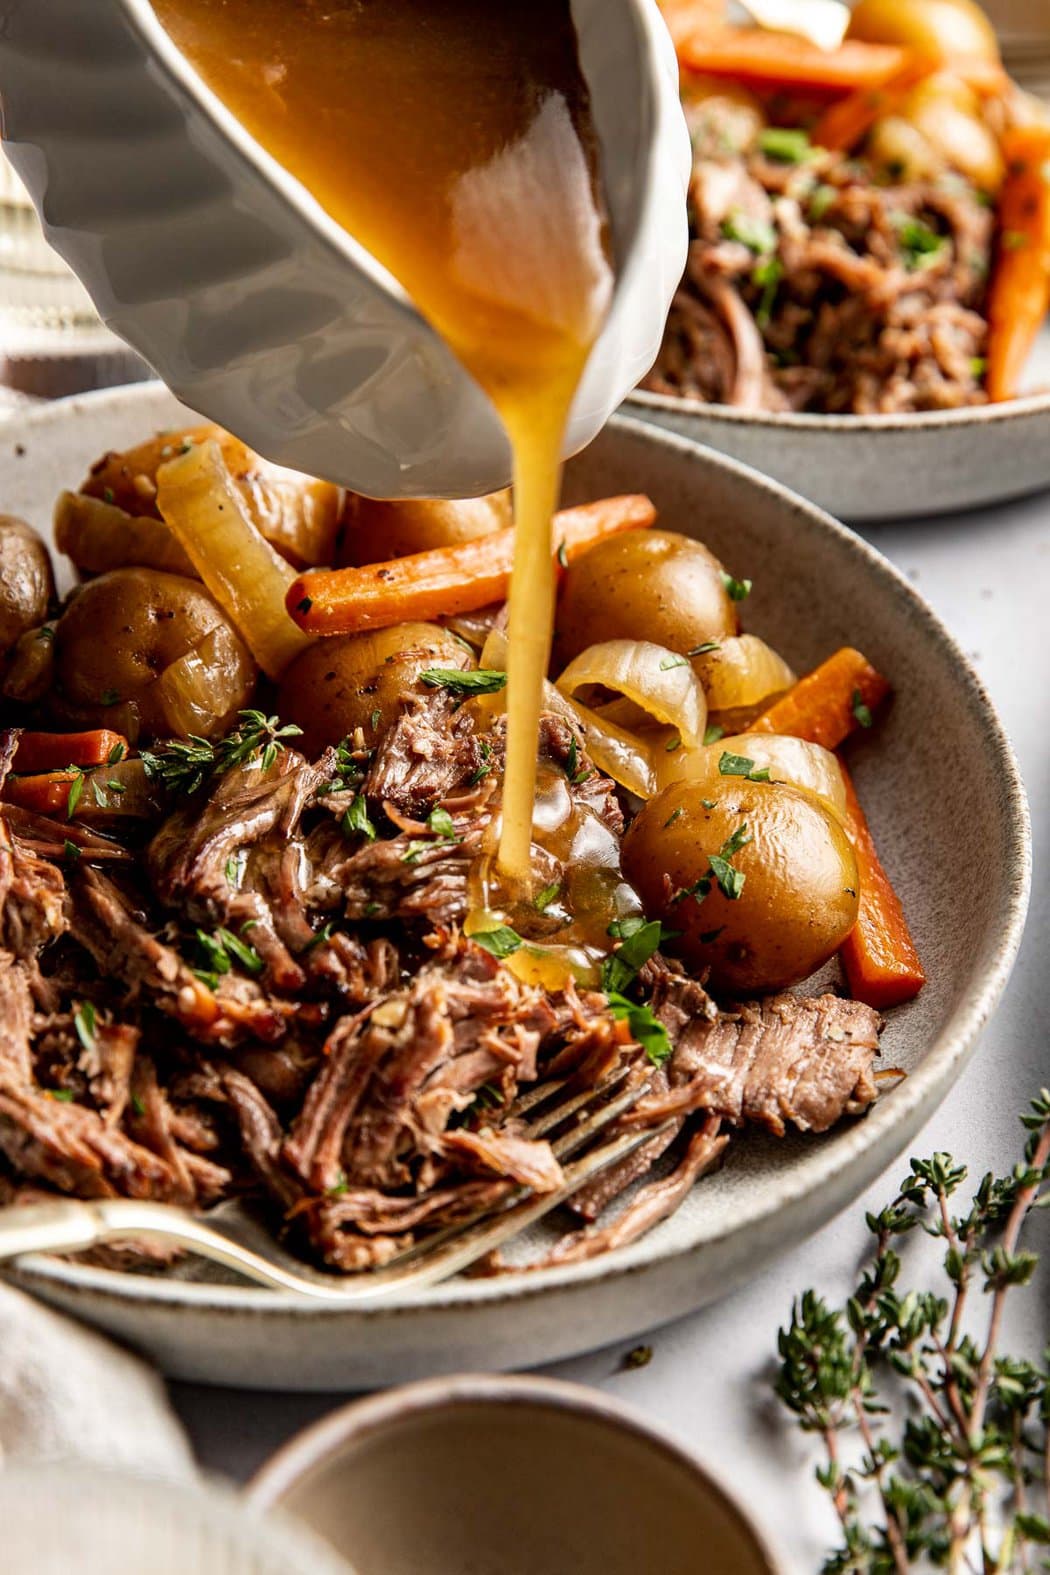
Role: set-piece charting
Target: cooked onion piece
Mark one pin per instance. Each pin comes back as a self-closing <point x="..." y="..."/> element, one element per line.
<point x="247" y="577"/>
<point x="794" y="761"/>
<point x="99" y="536"/>
<point x="618" y="753"/>
<point x="742" y="672"/>
<point x="658" y="680"/>
<point x="204" y="690"/>
<point x="298" y="514"/>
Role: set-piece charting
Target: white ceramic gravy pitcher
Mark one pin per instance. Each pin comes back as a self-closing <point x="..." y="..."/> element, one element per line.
<point x="259" y="310"/>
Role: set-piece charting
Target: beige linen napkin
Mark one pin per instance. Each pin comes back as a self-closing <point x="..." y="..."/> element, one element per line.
<point x="67" y="1393"/>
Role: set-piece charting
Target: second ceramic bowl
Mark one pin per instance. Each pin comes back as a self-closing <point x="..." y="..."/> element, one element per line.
<point x="509" y="1476"/>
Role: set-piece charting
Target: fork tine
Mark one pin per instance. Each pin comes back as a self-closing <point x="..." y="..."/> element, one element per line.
<point x="560" y="1112"/>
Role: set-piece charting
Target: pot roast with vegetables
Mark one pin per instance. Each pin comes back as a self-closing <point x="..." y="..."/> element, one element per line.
<point x="870" y="225"/>
<point x="256" y="942"/>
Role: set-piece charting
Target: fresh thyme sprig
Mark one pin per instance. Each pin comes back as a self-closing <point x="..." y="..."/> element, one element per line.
<point x="183" y="766"/>
<point x="964" y="1484"/>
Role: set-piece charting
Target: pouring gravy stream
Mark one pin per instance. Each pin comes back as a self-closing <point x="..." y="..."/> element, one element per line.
<point x="455" y="143"/>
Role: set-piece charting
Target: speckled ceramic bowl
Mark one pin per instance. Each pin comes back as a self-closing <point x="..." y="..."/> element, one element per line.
<point x="510" y="1476"/>
<point x="939" y="762"/>
<point x="882" y="467"/>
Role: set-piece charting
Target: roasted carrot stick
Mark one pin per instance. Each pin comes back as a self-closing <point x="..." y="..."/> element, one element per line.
<point x="52" y="751"/>
<point x="829" y="703"/>
<point x="879" y="955"/>
<point x="847" y="122"/>
<point x="1020" y="287"/>
<point x="761" y="59"/>
<point x="455" y="579"/>
<point x="47" y="794"/>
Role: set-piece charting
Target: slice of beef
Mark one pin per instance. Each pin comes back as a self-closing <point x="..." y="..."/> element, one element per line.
<point x="431" y="753"/>
<point x="32" y="897"/>
<point x="530" y="1162"/>
<point x="788" y="1059"/>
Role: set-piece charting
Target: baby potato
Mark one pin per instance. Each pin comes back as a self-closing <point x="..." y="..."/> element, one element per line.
<point x="299" y="515"/>
<point x="643" y="585"/>
<point x="122" y="631"/>
<point x="936" y="28"/>
<point x="785" y="856"/>
<point x="361" y="680"/>
<point x="26" y="581"/>
<point x="375" y="530"/>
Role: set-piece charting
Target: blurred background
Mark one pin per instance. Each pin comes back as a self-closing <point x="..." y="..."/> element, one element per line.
<point x="52" y="343"/>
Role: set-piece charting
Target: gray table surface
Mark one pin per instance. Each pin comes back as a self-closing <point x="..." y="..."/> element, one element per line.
<point x="988" y="575"/>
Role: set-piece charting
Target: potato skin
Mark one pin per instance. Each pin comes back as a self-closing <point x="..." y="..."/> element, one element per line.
<point x="297" y="514"/>
<point x="937" y="28"/>
<point x="27" y="583"/>
<point x="361" y="680"/>
<point x="374" y="530"/>
<point x="122" y="630"/>
<point x="799" y="899"/>
<point x="643" y="585"/>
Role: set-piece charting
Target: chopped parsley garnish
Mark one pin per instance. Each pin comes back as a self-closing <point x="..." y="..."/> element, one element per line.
<point x="621" y="968"/>
<point x="756" y="234"/>
<point x="576" y="773"/>
<point x="218" y="949"/>
<point x="341" y="1186"/>
<point x="563" y="556"/>
<point x="376" y="718"/>
<point x="730" y="880"/>
<point x="357" y="819"/>
<point x="714" y="733"/>
<point x="708" y="803"/>
<point x="482" y="681"/>
<point x="978" y="367"/>
<point x="76" y="788"/>
<point x="439" y="821"/>
<point x="732" y="845"/>
<point x="1015" y="240"/>
<point x="705" y="649"/>
<point x="860" y="711"/>
<point x="109" y="697"/>
<point x="84" y="1023"/>
<point x="501" y="942"/>
<point x="71" y="850"/>
<point x="820" y="201"/>
<point x="116" y="754"/>
<point x="138" y="1104"/>
<point x="304" y="605"/>
<point x="732" y="765"/>
<point x="321" y="938"/>
<point x="232" y="870"/>
<point x="736" y="590"/>
<point x="108" y="495"/>
<point x="542" y="901"/>
<point x="644" y="1027"/>
<point x="639" y="1356"/>
<point x="673" y="744"/>
<point x="786" y="145"/>
<point x="670" y="662"/>
<point x="63" y="1095"/>
<point x="116" y="787"/>
<point x="415" y="851"/>
<point x="710" y="936"/>
<point x="97" y="794"/>
<point x="184" y="765"/>
<point x="485" y="767"/>
<point x="766" y="276"/>
<point x="920" y="244"/>
<point x="672" y="817"/>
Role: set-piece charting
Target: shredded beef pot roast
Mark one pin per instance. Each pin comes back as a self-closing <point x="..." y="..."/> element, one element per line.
<point x="815" y="287"/>
<point x="350" y="1057"/>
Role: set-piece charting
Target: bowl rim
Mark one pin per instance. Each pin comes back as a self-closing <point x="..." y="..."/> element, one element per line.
<point x="322" y="1442"/>
<point x="703" y="411"/>
<point x="819" y="1167"/>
